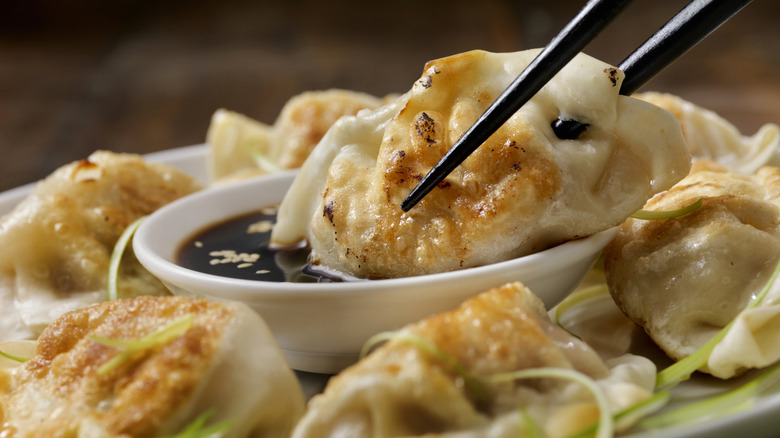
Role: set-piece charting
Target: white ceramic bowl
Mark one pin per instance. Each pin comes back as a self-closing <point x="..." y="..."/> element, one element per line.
<point x="321" y="327"/>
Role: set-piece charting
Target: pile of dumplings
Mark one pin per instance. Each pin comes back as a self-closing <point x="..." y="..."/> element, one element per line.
<point x="153" y="364"/>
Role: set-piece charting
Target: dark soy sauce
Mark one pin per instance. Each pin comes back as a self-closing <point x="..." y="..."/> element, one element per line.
<point x="238" y="248"/>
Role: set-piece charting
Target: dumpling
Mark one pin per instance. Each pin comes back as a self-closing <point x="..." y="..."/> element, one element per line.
<point x="711" y="137"/>
<point x="686" y="278"/>
<point x="523" y="191"/>
<point x="240" y="146"/>
<point x="596" y="320"/>
<point x="55" y="246"/>
<point x="225" y="363"/>
<point x="401" y="389"/>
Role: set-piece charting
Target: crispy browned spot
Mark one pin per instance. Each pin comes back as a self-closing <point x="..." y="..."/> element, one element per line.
<point x="140" y="394"/>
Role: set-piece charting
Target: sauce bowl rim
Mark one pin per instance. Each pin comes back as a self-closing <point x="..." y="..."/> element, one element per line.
<point x="167" y="270"/>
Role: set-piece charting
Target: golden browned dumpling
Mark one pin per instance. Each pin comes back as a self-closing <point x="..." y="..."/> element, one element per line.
<point x="240" y="146"/>
<point x="523" y="191"/>
<point x="55" y="246"/>
<point x="684" y="279"/>
<point x="224" y="362"/>
<point x="406" y="389"/>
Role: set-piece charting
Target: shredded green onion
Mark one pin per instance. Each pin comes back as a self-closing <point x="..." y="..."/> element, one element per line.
<point x="376" y="339"/>
<point x="628" y="416"/>
<point x="174" y="330"/>
<point x="472" y="382"/>
<point x="532" y="429"/>
<point x="642" y="409"/>
<point x="650" y="215"/>
<point x="13" y="357"/>
<point x="578" y="297"/>
<point x="734" y="400"/>
<point x="198" y="428"/>
<point x="605" y="427"/>
<point x="262" y="161"/>
<point x="116" y="257"/>
<point x="683" y="369"/>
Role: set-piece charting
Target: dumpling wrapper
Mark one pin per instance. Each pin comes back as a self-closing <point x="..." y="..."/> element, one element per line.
<point x="711" y="137"/>
<point x="55" y="246"/>
<point x="226" y="363"/>
<point x="241" y="147"/>
<point x="402" y="390"/>
<point x="684" y="279"/>
<point x="597" y="321"/>
<point x="523" y="191"/>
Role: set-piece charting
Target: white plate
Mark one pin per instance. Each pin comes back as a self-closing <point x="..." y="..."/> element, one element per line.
<point x="762" y="420"/>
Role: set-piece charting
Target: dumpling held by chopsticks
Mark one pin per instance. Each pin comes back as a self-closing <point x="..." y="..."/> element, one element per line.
<point x="522" y="191"/>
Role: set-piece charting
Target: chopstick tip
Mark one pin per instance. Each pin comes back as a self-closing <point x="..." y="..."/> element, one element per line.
<point x="410" y="202"/>
<point x="419" y="191"/>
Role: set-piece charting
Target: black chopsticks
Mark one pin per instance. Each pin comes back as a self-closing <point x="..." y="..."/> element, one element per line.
<point x="692" y="24"/>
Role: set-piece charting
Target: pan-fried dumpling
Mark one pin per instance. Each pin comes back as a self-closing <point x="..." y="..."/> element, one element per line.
<point x="240" y="146"/>
<point x="684" y="279"/>
<point x="55" y="246"/>
<point x="223" y="362"/>
<point x="523" y="191"/>
<point x="711" y="137"/>
<point x="401" y="389"/>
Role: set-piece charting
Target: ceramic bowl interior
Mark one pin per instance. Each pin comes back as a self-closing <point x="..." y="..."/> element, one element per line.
<point x="321" y="327"/>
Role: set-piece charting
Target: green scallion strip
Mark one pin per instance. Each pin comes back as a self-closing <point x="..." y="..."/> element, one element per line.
<point x="643" y="408"/>
<point x="683" y="369"/>
<point x="198" y="428"/>
<point x="734" y="400"/>
<point x="374" y="340"/>
<point x="532" y="429"/>
<point x="14" y="357"/>
<point x="116" y="257"/>
<point x="174" y="330"/>
<point x="472" y="382"/>
<point x="263" y="162"/>
<point x="631" y="413"/>
<point x="578" y="297"/>
<point x="650" y="215"/>
<point x="605" y="427"/>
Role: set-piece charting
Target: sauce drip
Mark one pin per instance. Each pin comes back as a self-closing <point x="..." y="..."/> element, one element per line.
<point x="238" y="248"/>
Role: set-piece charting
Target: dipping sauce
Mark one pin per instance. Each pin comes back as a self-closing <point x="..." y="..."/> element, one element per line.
<point x="238" y="248"/>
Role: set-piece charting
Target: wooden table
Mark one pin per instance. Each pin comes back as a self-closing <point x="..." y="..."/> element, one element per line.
<point x="142" y="75"/>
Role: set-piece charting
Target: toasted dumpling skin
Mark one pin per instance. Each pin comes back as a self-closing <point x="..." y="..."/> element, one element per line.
<point x="235" y="140"/>
<point x="686" y="278"/>
<point x="402" y="389"/>
<point x="55" y="246"/>
<point x="306" y="118"/>
<point x="226" y="363"/>
<point x="522" y="191"/>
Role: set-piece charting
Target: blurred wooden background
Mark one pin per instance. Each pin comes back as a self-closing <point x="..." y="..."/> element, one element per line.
<point x="143" y="75"/>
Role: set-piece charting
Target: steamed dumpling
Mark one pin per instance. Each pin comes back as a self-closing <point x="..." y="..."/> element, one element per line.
<point x="523" y="191"/>
<point x="55" y="246"/>
<point x="401" y="389"/>
<point x="226" y="363"/>
<point x="684" y="279"/>
<point x="711" y="137"/>
<point x="240" y="146"/>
